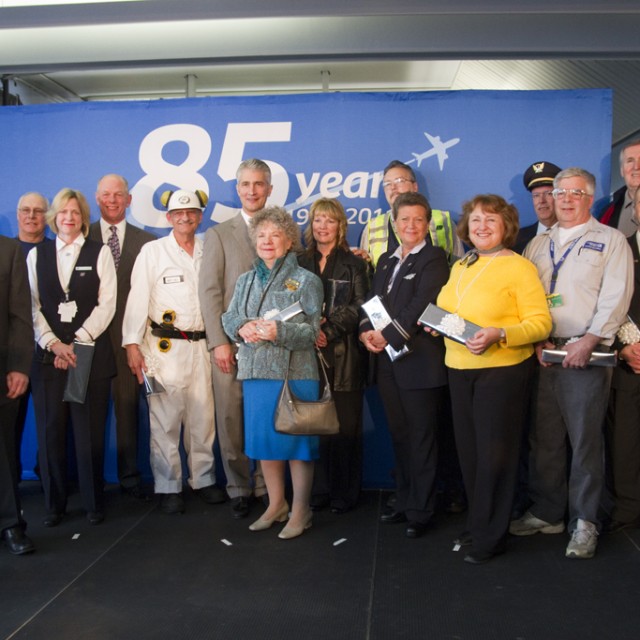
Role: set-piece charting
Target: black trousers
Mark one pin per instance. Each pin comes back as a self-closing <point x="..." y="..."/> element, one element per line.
<point x="338" y="471"/>
<point x="412" y="415"/>
<point x="9" y="498"/>
<point x="489" y="407"/>
<point x="87" y="421"/>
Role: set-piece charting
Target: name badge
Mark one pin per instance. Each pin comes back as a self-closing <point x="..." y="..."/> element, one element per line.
<point x="173" y="279"/>
<point x="594" y="246"/>
<point x="89" y="268"/>
<point x="554" y="300"/>
<point x="67" y="311"/>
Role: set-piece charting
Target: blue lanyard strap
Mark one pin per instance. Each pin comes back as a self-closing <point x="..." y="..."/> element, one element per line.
<point x="557" y="265"/>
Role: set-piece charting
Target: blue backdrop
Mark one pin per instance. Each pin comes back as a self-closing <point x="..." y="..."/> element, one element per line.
<point x="460" y="144"/>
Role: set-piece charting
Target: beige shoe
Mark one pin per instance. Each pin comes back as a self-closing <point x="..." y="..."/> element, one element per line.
<point x="584" y="540"/>
<point x="294" y="531"/>
<point x="529" y="524"/>
<point x="265" y="523"/>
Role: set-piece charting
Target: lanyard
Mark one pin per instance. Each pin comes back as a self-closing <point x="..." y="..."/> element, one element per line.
<point x="557" y="265"/>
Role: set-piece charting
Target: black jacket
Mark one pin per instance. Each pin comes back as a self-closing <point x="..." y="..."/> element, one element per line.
<point x="343" y="353"/>
<point x="417" y="283"/>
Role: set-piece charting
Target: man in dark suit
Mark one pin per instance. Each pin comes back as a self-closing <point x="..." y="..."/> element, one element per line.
<point x="538" y="179"/>
<point x="623" y="417"/>
<point x="620" y="213"/>
<point x="16" y="351"/>
<point x="227" y="253"/>
<point x="125" y="241"/>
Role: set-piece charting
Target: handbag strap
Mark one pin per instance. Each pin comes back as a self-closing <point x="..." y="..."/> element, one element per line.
<point x="323" y="367"/>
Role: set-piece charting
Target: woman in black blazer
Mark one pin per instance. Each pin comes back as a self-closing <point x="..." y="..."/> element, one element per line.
<point x="413" y="385"/>
<point x="338" y="472"/>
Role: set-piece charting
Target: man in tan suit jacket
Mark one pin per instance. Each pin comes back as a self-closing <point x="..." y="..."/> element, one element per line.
<point x="227" y="254"/>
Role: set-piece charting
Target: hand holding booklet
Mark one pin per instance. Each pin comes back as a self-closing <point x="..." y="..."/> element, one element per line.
<point x="450" y="325"/>
<point x="380" y="318"/>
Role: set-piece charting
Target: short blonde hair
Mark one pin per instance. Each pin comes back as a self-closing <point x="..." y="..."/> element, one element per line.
<point x="60" y="201"/>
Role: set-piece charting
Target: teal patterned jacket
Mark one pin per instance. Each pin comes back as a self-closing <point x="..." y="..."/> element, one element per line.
<point x="287" y="284"/>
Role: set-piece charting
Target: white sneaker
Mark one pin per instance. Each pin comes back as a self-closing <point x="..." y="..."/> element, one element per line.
<point x="584" y="540"/>
<point x="529" y="524"/>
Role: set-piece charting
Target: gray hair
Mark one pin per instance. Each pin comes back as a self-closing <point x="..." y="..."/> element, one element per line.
<point x="280" y="218"/>
<point x="631" y="143"/>
<point x="38" y="195"/>
<point x="117" y="176"/>
<point x="577" y="172"/>
<point x="253" y="164"/>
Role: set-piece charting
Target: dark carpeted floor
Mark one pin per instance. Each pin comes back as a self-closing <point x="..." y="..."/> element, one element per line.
<point x="203" y="575"/>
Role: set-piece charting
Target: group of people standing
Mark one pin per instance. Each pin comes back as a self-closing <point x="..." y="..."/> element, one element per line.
<point x="197" y="322"/>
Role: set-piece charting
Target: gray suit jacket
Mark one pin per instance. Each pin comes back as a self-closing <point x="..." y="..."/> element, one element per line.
<point x="134" y="239"/>
<point x="227" y="254"/>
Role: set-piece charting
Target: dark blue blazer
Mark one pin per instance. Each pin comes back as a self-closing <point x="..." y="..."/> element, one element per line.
<point x="417" y="283"/>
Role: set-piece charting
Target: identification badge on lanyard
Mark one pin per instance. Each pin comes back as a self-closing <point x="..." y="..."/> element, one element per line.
<point x="554" y="300"/>
<point x="67" y="310"/>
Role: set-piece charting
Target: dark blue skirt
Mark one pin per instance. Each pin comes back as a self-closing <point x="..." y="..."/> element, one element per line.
<point x="261" y="440"/>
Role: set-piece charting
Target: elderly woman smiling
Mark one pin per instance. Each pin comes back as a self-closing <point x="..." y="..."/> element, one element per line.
<point x="267" y="349"/>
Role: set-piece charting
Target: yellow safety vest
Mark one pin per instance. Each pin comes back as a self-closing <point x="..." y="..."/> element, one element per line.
<point x="440" y="230"/>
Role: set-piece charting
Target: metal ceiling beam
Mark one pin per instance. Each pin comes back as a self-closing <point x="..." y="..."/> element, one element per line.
<point x="270" y="40"/>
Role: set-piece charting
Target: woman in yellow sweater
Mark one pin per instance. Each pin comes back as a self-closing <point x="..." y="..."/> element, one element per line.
<point x="490" y="376"/>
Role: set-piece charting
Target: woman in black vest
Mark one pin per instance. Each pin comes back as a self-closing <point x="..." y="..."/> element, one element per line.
<point x="73" y="290"/>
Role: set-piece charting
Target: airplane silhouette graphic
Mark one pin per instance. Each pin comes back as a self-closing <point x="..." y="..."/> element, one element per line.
<point x="438" y="148"/>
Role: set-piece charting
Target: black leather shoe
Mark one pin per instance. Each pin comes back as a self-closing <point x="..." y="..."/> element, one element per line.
<point x="52" y="519"/>
<point x="393" y="517"/>
<point x="240" y="507"/>
<point x="416" y="529"/>
<point x="137" y="492"/>
<point x="212" y="494"/>
<point x="463" y="539"/>
<point x="95" y="517"/>
<point x="172" y="503"/>
<point x="481" y="557"/>
<point x="17" y="541"/>
<point x="319" y="502"/>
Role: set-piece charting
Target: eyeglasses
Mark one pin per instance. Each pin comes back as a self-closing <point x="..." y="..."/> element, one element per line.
<point x="25" y="211"/>
<point x="542" y="195"/>
<point x="396" y="181"/>
<point x="185" y="213"/>
<point x="573" y="194"/>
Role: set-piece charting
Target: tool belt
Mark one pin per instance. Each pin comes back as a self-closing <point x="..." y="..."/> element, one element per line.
<point x="159" y="331"/>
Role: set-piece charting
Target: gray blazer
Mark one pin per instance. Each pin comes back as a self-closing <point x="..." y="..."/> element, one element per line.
<point x="227" y="254"/>
<point x="288" y="283"/>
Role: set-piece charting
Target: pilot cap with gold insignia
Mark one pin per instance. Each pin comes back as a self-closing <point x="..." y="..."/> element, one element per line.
<point x="540" y="174"/>
<point x="182" y="199"/>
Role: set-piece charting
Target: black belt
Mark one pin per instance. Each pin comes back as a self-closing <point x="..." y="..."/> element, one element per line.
<point x="561" y="343"/>
<point x="163" y="332"/>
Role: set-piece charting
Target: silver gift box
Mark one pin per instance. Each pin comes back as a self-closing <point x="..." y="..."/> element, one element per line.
<point x="433" y="317"/>
<point x="598" y="358"/>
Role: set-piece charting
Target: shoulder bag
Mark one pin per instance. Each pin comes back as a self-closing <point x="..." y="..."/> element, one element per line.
<point x="297" y="417"/>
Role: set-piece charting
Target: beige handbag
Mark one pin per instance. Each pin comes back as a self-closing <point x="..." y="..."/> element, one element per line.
<point x="298" y="417"/>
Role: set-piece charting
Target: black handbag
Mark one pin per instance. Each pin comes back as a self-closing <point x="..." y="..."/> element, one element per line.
<point x="297" y="417"/>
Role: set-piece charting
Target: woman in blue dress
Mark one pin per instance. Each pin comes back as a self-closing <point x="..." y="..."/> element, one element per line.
<point x="270" y="347"/>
